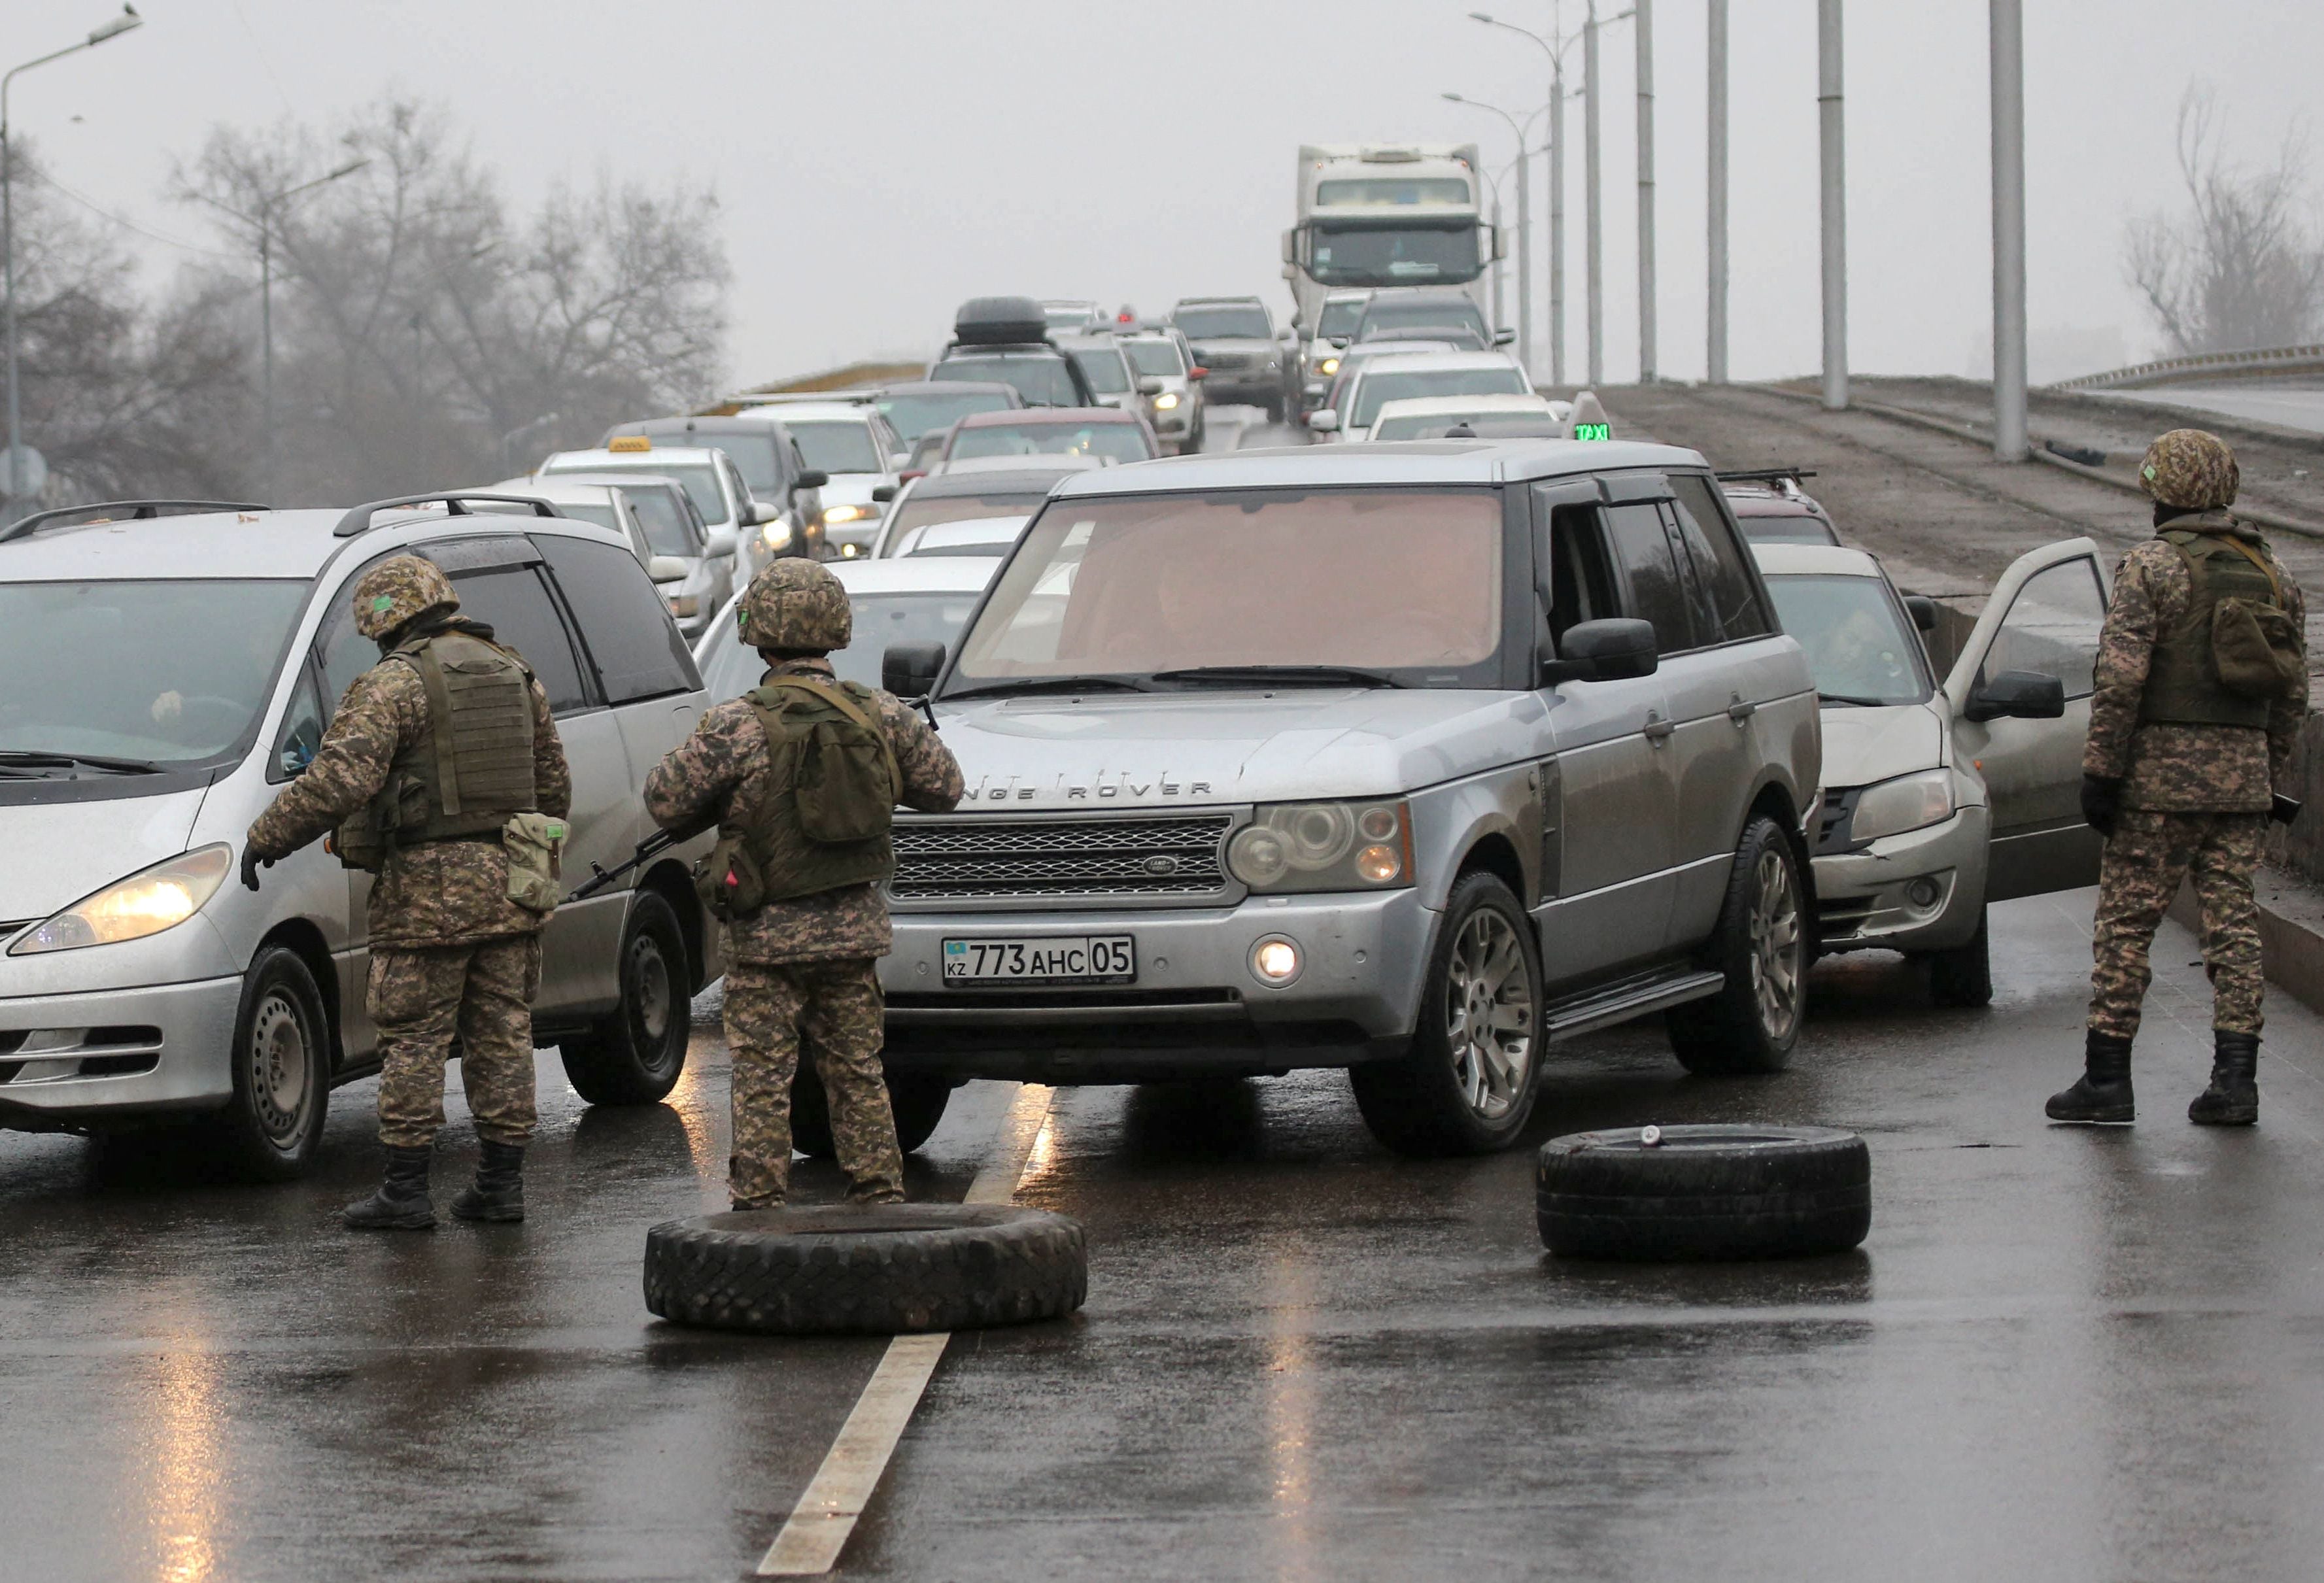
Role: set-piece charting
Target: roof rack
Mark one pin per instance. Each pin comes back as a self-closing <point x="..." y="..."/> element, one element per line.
<point x="122" y="511"/>
<point x="455" y="503"/>
<point x="1764" y="475"/>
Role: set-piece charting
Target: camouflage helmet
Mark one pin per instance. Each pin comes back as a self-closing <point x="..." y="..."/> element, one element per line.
<point x="398" y="589"/>
<point x="2190" y="468"/>
<point x="795" y="604"/>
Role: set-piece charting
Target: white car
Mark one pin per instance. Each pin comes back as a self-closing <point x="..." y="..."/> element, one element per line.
<point x="1428" y="417"/>
<point x="987" y="536"/>
<point x="1384" y="379"/>
<point x="925" y="601"/>
<point x="713" y="482"/>
<point x="694" y="572"/>
<point x="860" y="455"/>
<point x="1941" y="797"/>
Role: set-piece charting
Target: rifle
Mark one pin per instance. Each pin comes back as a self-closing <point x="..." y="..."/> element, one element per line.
<point x="651" y="848"/>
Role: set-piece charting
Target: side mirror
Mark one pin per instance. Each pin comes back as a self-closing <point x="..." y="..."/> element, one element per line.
<point x="897" y="459"/>
<point x="1923" y="609"/>
<point x="2021" y="695"/>
<point x="1198" y="373"/>
<point x="720" y="543"/>
<point x="1616" y="649"/>
<point x="909" y="670"/>
<point x="1504" y="337"/>
<point x="665" y="568"/>
<point x="1324" y="420"/>
<point x="1339" y="341"/>
<point x="885" y="491"/>
<point x="758" y="513"/>
<point x="813" y="478"/>
<point x="1151" y="385"/>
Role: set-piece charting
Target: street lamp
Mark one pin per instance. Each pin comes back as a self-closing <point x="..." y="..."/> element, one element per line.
<point x="1525" y="222"/>
<point x="519" y="432"/>
<point x="1555" y="47"/>
<point x="112" y="29"/>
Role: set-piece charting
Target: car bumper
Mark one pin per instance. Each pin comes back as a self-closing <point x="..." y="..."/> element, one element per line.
<point x="1196" y="1006"/>
<point x="112" y="1055"/>
<point x="1923" y="890"/>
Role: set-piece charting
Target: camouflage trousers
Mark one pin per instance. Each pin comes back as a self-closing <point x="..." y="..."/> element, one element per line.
<point x="836" y="1009"/>
<point x="2147" y="858"/>
<point x="481" y="995"/>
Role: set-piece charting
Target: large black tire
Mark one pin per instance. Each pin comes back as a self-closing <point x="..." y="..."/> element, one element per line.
<point x="1963" y="976"/>
<point x="281" y="1058"/>
<point x="1454" y="1094"/>
<point x="635" y="1055"/>
<point x="1762" y="946"/>
<point x="1703" y="1193"/>
<point x="917" y="1104"/>
<point x="869" y="1270"/>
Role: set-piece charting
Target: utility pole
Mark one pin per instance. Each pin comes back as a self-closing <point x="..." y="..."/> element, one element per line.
<point x="1715" y="365"/>
<point x="1525" y="226"/>
<point x="1644" y="27"/>
<point x="1829" y="77"/>
<point x="1557" y="217"/>
<point x="2008" y="67"/>
<point x="1594" y="243"/>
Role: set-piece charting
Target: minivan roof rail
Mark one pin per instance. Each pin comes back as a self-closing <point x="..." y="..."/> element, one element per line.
<point x="454" y="502"/>
<point x="122" y="511"/>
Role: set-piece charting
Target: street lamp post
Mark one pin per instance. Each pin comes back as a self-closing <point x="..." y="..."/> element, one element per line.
<point x="1525" y="222"/>
<point x="264" y="220"/>
<point x="1829" y="78"/>
<point x="112" y="29"/>
<point x="2008" y="70"/>
<point x="1554" y="46"/>
<point x="1643" y="34"/>
<point x="1715" y="365"/>
<point x="519" y="432"/>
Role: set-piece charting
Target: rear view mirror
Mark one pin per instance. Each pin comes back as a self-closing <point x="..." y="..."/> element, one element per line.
<point x="1923" y="609"/>
<point x="1504" y="337"/>
<point x="1151" y="385"/>
<point x="1324" y="420"/>
<point x="720" y="542"/>
<point x="1616" y="649"/>
<point x="884" y="494"/>
<point x="909" y="670"/>
<point x="667" y="568"/>
<point x="813" y="478"/>
<point x="2020" y="695"/>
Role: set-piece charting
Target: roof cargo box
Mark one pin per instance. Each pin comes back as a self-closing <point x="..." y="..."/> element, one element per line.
<point x="998" y="321"/>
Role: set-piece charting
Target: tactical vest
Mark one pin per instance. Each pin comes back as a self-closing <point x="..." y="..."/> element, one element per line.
<point x="472" y="773"/>
<point x="826" y="818"/>
<point x="2183" y="676"/>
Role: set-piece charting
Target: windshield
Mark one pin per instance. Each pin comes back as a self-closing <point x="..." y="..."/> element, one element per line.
<point x="591" y="511"/>
<point x="1157" y="358"/>
<point x="838" y="445"/>
<point x="166" y="672"/>
<point x="881" y="621"/>
<point x="1431" y="425"/>
<point x="1386" y="320"/>
<point x="668" y="531"/>
<point x="1342" y="318"/>
<point x="1858" y="645"/>
<point x="1789" y="527"/>
<point x="914" y="416"/>
<point x="1104" y="368"/>
<point x="1395" y="384"/>
<point x="1123" y="442"/>
<point x="701" y="480"/>
<point x="1039" y="377"/>
<point x="1395" y="255"/>
<point x="1380" y="579"/>
<point x="1373" y="191"/>
<point x="1222" y="324"/>
<point x="920" y="511"/>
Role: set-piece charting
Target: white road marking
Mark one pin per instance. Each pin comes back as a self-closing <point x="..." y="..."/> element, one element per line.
<point x="820" y="1526"/>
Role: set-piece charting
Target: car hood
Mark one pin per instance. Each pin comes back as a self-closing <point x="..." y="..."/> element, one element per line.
<point x="1863" y="745"/>
<point x="58" y="852"/>
<point x="1183" y="748"/>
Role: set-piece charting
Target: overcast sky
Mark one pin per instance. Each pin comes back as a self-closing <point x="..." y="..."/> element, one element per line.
<point x="879" y="159"/>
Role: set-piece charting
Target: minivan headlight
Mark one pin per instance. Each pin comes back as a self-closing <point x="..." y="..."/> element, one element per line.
<point x="160" y="897"/>
<point x="1290" y="847"/>
<point x="776" y="535"/>
<point x="833" y="516"/>
<point x="1909" y="802"/>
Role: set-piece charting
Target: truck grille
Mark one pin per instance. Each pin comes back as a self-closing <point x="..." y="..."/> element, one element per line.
<point x="1171" y="856"/>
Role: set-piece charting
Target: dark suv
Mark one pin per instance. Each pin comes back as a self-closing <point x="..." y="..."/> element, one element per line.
<point x="1235" y="338"/>
<point x="1006" y="340"/>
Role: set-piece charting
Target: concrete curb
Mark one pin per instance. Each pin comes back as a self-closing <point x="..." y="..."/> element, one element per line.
<point x="2290" y="933"/>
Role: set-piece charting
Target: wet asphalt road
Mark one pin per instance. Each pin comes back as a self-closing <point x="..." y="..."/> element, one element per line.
<point x="2060" y="1355"/>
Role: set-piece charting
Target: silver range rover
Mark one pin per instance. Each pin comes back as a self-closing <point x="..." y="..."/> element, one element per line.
<point x="1410" y="759"/>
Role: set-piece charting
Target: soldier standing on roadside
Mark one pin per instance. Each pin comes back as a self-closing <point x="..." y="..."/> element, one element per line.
<point x="2202" y="683"/>
<point x="803" y="775"/>
<point x="443" y="776"/>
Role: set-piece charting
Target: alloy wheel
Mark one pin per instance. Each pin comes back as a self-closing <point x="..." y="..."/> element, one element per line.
<point x="1777" y="945"/>
<point x="1490" y="1014"/>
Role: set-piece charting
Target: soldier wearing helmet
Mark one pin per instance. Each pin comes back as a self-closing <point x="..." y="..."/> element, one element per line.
<point x="2201" y="684"/>
<point x="440" y="763"/>
<point x="802" y="775"/>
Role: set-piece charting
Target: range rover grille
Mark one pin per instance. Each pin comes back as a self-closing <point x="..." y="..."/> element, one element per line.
<point x="1175" y="857"/>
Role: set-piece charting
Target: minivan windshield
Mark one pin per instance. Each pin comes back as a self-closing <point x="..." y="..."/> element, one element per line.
<point x="1859" y="649"/>
<point x="164" y="672"/>
<point x="1405" y="582"/>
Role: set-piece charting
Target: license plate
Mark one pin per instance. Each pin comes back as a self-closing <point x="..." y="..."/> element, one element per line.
<point x="1074" y="959"/>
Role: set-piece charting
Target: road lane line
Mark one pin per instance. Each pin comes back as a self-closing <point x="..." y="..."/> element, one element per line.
<point x="820" y="1526"/>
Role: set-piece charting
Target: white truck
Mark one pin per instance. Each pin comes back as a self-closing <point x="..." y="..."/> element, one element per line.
<point x="1375" y="214"/>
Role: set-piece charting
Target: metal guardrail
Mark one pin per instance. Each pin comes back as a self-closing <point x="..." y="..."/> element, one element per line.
<point x="2201" y="365"/>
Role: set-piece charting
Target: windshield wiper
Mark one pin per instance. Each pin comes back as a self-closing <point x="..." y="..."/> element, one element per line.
<point x="1858" y="703"/>
<point x="1049" y="684"/>
<point x="1297" y="675"/>
<point x="14" y="758"/>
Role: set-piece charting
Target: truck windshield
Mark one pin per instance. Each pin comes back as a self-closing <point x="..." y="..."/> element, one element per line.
<point x="161" y="672"/>
<point x="1374" y="191"/>
<point x="1859" y="649"/>
<point x="1394" y="256"/>
<point x="1405" y="583"/>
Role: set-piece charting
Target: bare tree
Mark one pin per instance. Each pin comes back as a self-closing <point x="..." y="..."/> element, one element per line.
<point x="2240" y="268"/>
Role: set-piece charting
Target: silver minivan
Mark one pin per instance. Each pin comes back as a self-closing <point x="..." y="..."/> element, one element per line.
<point x="167" y="669"/>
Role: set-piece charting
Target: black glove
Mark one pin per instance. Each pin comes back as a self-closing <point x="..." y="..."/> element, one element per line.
<point x="251" y="863"/>
<point x="2283" y="810"/>
<point x="2101" y="801"/>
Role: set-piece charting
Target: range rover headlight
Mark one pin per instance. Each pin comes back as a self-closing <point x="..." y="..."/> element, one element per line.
<point x="1294" y="847"/>
<point x="146" y="903"/>
<point x="1909" y="802"/>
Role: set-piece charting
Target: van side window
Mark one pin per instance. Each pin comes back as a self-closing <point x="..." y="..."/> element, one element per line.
<point x="1730" y="604"/>
<point x="515" y="603"/>
<point x="1659" y="593"/>
<point x="624" y="621"/>
<point x="302" y="730"/>
<point x="1582" y="584"/>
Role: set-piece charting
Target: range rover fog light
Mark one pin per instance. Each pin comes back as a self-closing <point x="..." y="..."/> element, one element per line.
<point x="1379" y="864"/>
<point x="1921" y="892"/>
<point x="1274" y="960"/>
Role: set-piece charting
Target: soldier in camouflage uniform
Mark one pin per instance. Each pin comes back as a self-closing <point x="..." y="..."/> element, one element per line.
<point x="804" y="967"/>
<point x="2178" y="775"/>
<point x="452" y="954"/>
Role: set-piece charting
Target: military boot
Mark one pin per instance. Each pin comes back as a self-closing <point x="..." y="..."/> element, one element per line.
<point x="498" y="1193"/>
<point x="2232" y="1097"/>
<point x="401" y="1203"/>
<point x="2102" y="1094"/>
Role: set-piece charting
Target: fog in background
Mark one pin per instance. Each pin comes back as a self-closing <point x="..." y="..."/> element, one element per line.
<point x="877" y="161"/>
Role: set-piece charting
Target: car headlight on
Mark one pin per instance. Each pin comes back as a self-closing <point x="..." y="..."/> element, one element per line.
<point x="776" y="535"/>
<point x="685" y="604"/>
<point x="1291" y="847"/>
<point x="1165" y="400"/>
<point x="146" y="903"/>
<point x="1329" y="365"/>
<point x="1909" y="802"/>
<point x="835" y="516"/>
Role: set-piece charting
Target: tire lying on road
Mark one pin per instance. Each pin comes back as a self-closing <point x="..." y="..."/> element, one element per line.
<point x="1703" y="1193"/>
<point x="874" y="1269"/>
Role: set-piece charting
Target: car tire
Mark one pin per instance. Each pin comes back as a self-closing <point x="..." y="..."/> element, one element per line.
<point x="1963" y="975"/>
<point x="867" y="1269"/>
<point x="1761" y="945"/>
<point x="282" y="1060"/>
<point x="1703" y="1193"/>
<point x="917" y="1104"/>
<point x="635" y="1055"/>
<point x="1452" y="1093"/>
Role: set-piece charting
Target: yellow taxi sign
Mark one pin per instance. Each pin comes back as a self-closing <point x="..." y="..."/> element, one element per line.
<point x="629" y="442"/>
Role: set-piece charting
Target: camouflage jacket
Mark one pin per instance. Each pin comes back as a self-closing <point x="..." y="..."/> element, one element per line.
<point x="444" y="893"/>
<point x="2168" y="768"/>
<point x="723" y="768"/>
